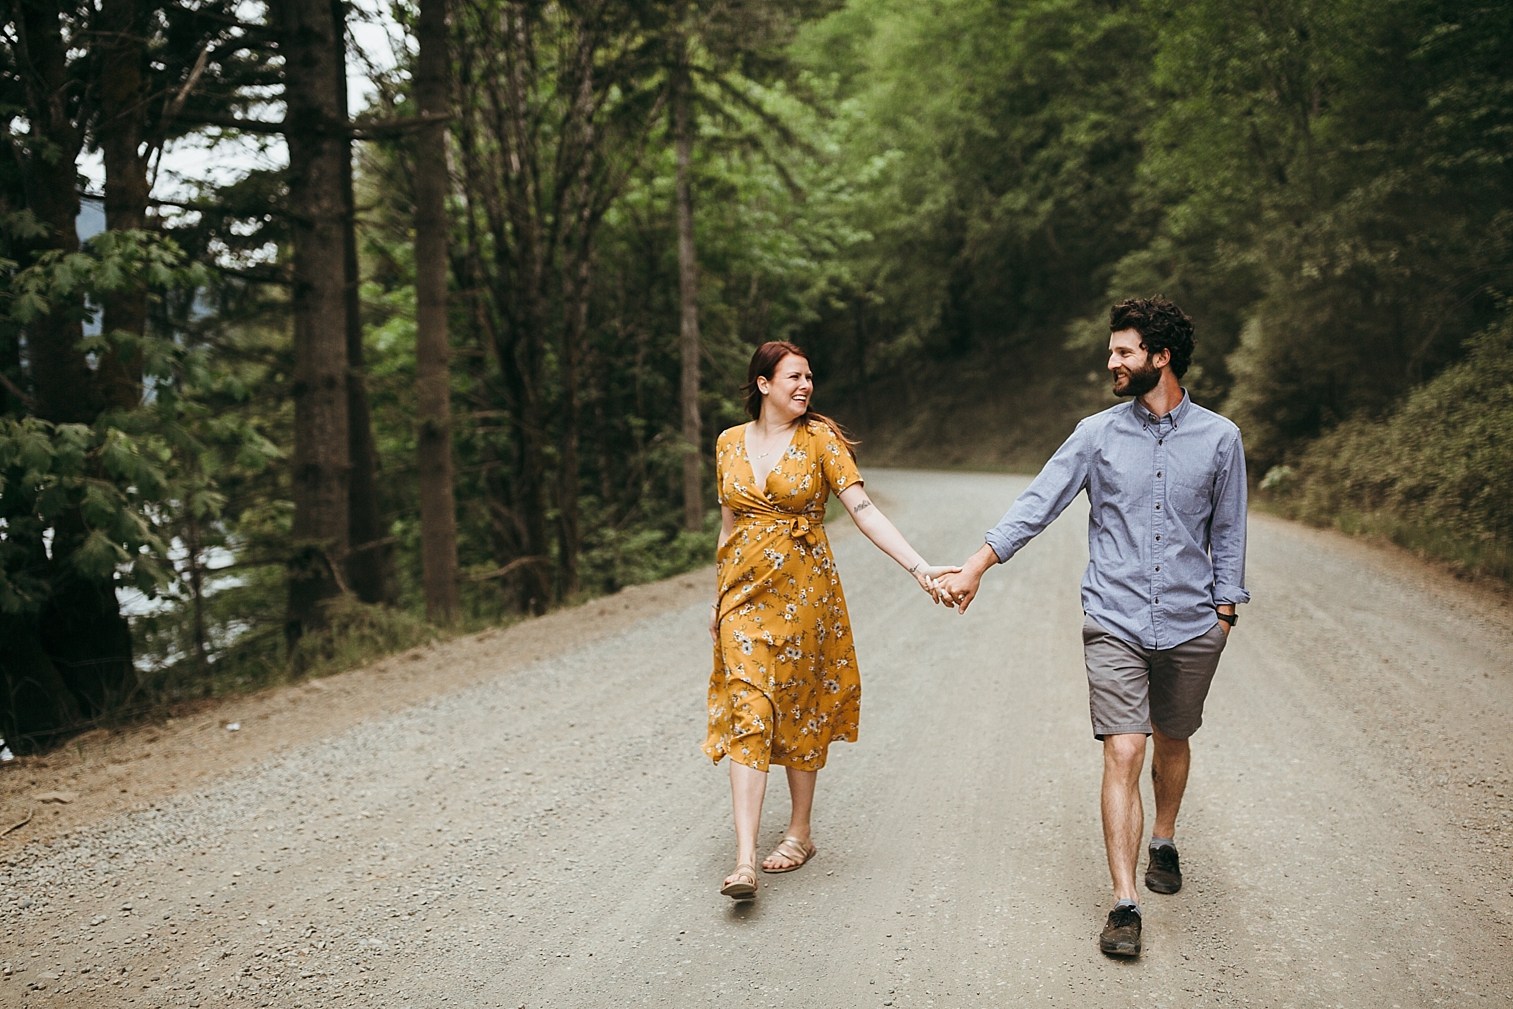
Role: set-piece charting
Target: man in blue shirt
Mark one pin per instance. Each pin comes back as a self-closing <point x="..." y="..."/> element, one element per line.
<point x="1165" y="479"/>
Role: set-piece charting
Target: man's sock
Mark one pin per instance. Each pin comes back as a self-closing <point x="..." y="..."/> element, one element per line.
<point x="1157" y="842"/>
<point x="1128" y="903"/>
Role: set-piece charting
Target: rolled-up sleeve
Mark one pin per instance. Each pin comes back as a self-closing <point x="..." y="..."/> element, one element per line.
<point x="1227" y="533"/>
<point x="1057" y="485"/>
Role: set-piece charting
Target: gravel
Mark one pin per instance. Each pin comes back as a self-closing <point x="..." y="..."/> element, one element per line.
<point x="552" y="836"/>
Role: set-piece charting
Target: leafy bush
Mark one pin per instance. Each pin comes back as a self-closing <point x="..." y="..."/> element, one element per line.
<point x="1435" y="475"/>
<point x="614" y="557"/>
<point x="357" y="632"/>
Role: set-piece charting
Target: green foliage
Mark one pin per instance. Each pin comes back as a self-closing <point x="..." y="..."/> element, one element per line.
<point x="97" y="493"/>
<point x="357" y="633"/>
<point x="98" y="476"/>
<point x="111" y="501"/>
<point x="1324" y="186"/>
<point x="1327" y="216"/>
<point x="995" y="148"/>
<point x="1436" y="474"/>
<point x="616" y="557"/>
<point x="110" y="261"/>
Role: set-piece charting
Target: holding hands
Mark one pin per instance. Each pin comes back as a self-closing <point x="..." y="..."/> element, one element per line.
<point x="928" y="576"/>
<point x="959" y="586"/>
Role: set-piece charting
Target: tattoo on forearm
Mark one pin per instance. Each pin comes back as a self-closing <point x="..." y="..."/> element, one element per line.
<point x="861" y="507"/>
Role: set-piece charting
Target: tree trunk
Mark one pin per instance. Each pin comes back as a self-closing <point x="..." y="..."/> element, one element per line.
<point x="577" y="271"/>
<point x="520" y="340"/>
<point x="569" y="535"/>
<point x="35" y="704"/>
<point x="507" y="533"/>
<point x="83" y="632"/>
<point x="13" y="395"/>
<point x="863" y="381"/>
<point x="72" y="659"/>
<point x="82" y="626"/>
<point x="64" y="385"/>
<point x="433" y="408"/>
<point x="122" y="130"/>
<point x="369" y="562"/>
<point x="196" y="589"/>
<point x="688" y="297"/>
<point x="318" y="163"/>
<point x="523" y="376"/>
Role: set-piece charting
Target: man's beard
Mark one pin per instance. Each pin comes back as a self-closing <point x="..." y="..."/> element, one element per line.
<point x="1139" y="381"/>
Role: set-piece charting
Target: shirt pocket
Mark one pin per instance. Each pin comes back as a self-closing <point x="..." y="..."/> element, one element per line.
<point x="1194" y="501"/>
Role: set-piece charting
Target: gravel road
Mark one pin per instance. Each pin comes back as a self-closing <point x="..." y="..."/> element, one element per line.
<point x="551" y="835"/>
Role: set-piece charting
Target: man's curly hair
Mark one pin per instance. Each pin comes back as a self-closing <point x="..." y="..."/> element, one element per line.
<point x="1161" y="325"/>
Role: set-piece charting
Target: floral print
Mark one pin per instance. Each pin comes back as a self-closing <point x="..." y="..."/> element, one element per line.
<point x="785" y="681"/>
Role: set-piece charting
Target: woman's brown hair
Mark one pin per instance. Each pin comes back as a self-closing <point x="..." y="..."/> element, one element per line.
<point x="764" y="364"/>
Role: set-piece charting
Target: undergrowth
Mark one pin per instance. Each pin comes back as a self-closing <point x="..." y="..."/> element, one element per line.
<point x="1435" y="475"/>
<point x="252" y="656"/>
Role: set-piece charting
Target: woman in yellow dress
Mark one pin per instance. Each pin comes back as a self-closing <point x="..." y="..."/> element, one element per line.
<point x="785" y="682"/>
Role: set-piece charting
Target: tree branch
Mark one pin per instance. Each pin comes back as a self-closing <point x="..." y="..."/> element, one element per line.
<point x="19" y="393"/>
<point x="374" y="130"/>
<point x="518" y="562"/>
<point x="176" y="105"/>
<point x="236" y="123"/>
<point x="380" y="128"/>
<point x="771" y="121"/>
<point x="254" y="278"/>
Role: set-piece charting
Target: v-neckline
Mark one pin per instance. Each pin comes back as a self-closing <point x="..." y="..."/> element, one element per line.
<point x="746" y="451"/>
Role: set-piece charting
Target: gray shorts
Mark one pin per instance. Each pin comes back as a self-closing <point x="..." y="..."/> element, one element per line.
<point x="1131" y="688"/>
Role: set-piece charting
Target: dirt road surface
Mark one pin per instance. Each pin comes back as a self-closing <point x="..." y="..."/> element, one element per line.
<point x="526" y="820"/>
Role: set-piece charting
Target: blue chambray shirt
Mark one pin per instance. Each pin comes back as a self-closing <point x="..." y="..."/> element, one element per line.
<point x="1166" y="533"/>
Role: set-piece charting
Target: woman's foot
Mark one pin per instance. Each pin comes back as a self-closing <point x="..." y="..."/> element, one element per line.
<point x="741" y="884"/>
<point x="789" y="855"/>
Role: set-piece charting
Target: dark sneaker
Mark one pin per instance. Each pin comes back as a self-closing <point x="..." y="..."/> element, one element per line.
<point x="1121" y="936"/>
<point x="1163" y="874"/>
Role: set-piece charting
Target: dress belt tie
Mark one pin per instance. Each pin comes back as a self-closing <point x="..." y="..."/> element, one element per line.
<point x="799" y="527"/>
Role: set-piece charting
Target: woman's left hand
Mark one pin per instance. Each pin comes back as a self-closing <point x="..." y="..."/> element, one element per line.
<point x="926" y="574"/>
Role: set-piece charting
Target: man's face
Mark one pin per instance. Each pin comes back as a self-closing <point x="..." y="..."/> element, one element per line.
<point x="1135" y="371"/>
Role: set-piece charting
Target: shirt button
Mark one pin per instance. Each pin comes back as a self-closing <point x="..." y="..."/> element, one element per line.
<point x="1160" y="441"/>
<point x="1158" y="473"/>
<point x="1158" y="507"/>
<point x="1154" y="418"/>
<point x="1156" y="600"/>
<point x="1158" y="567"/>
<point x="1158" y="539"/>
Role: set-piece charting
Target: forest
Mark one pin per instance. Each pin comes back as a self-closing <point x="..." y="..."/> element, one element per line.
<point x="310" y="352"/>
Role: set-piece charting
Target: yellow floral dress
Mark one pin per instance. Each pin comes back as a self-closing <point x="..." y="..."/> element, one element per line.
<point x="785" y="682"/>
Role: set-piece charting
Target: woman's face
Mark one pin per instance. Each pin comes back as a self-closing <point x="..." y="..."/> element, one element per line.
<point x="785" y="396"/>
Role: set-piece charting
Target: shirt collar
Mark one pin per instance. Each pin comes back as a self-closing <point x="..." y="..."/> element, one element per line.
<point x="1175" y="417"/>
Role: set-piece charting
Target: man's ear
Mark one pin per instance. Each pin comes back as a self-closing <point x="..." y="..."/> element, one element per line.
<point x="1161" y="358"/>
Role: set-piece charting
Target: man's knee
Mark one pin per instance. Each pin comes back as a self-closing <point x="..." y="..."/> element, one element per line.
<point x="1125" y="751"/>
<point x="1168" y="745"/>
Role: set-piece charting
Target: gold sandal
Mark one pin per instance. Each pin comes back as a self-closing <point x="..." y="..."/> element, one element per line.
<point x="796" y="851"/>
<point x="744" y="886"/>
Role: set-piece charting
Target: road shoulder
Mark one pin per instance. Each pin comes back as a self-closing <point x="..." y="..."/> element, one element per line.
<point x="109" y="771"/>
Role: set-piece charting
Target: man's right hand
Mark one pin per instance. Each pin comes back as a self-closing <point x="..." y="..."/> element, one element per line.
<point x="960" y="589"/>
